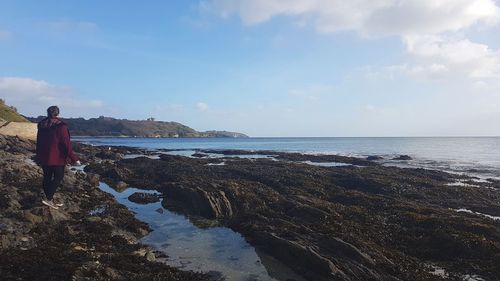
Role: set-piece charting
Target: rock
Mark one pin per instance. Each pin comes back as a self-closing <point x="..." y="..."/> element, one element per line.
<point x="302" y="259"/>
<point x="348" y="250"/>
<point x="120" y="186"/>
<point x="402" y="158"/>
<point x="79" y="248"/>
<point x="199" y="155"/>
<point x="109" y="155"/>
<point x="93" y="179"/>
<point x="211" y="205"/>
<point x="374" y="158"/>
<point x="34" y="219"/>
<point x="94" y="219"/>
<point x="150" y="256"/>
<point x="144" y="198"/>
<point x="160" y="210"/>
<point x="113" y="274"/>
<point x="32" y="232"/>
<point x="340" y="223"/>
<point x="56" y="215"/>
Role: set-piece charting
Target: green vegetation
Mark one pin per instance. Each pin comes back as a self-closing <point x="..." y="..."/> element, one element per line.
<point x="107" y="126"/>
<point x="9" y="113"/>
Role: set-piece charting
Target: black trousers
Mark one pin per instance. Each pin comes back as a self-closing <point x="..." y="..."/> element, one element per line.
<point x="52" y="179"/>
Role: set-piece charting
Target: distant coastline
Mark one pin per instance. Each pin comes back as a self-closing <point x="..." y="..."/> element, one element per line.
<point x="124" y="128"/>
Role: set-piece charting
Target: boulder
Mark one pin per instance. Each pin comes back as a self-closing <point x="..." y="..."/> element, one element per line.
<point x="304" y="260"/>
<point x="93" y="179"/>
<point x="144" y="198"/>
<point x="150" y="256"/>
<point x="121" y="186"/>
<point x="208" y="204"/>
<point x="402" y="158"/>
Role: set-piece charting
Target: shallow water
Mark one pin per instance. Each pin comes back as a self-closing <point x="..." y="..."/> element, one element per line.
<point x="463" y="210"/>
<point x="326" y="164"/>
<point x="192" y="248"/>
<point x="133" y="156"/>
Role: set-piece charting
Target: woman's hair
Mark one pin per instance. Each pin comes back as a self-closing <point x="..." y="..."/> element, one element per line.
<point x="53" y="111"/>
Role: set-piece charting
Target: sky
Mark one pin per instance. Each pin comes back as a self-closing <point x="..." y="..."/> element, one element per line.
<point x="261" y="67"/>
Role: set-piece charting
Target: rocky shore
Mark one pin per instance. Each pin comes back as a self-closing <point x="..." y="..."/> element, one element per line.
<point x="356" y="221"/>
<point x="362" y="221"/>
<point x="91" y="238"/>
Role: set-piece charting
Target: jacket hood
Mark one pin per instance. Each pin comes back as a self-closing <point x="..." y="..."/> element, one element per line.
<point x="48" y="123"/>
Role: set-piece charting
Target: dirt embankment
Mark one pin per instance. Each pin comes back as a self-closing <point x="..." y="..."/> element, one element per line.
<point x="339" y="223"/>
<point x="91" y="238"/>
<point x="25" y="130"/>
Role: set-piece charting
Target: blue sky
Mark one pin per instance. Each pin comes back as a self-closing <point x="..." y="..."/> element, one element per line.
<point x="262" y="67"/>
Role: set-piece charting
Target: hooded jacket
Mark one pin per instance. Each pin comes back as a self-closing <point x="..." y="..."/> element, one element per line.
<point x="53" y="145"/>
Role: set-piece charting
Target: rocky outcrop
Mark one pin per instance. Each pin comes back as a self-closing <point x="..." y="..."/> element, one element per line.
<point x="374" y="158"/>
<point x="317" y="158"/>
<point x="402" y="158"/>
<point x="143" y="198"/>
<point x="338" y="223"/>
<point x="304" y="260"/>
<point x="17" y="145"/>
<point x="74" y="242"/>
<point x="196" y="201"/>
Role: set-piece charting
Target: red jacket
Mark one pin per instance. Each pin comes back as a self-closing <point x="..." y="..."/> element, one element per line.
<point x="53" y="145"/>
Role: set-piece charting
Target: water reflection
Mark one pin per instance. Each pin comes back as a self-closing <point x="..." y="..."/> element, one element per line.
<point x="191" y="248"/>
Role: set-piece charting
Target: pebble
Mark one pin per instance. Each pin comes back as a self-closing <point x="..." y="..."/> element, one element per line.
<point x="150" y="256"/>
<point x="78" y="248"/>
<point x="94" y="219"/>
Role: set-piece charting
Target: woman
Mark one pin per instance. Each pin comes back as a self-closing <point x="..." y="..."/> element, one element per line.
<point x="53" y="152"/>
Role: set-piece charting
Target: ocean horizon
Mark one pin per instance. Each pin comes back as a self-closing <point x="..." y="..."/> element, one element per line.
<point x="475" y="156"/>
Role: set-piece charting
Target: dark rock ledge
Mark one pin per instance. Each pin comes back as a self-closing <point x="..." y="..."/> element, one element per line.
<point x="72" y="243"/>
<point x="340" y="223"/>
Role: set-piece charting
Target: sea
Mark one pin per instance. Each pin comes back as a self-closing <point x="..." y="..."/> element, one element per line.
<point x="475" y="156"/>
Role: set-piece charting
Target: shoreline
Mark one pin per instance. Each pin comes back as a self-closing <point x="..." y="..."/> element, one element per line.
<point x="92" y="237"/>
<point x="477" y="157"/>
<point x="337" y="222"/>
<point x="271" y="203"/>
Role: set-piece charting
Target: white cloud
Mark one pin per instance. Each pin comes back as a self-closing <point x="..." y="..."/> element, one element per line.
<point x="32" y="97"/>
<point x="425" y="27"/>
<point x="5" y="35"/>
<point x="461" y="56"/>
<point x="439" y="57"/>
<point x="366" y="17"/>
<point x="201" y="106"/>
<point x="432" y="71"/>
